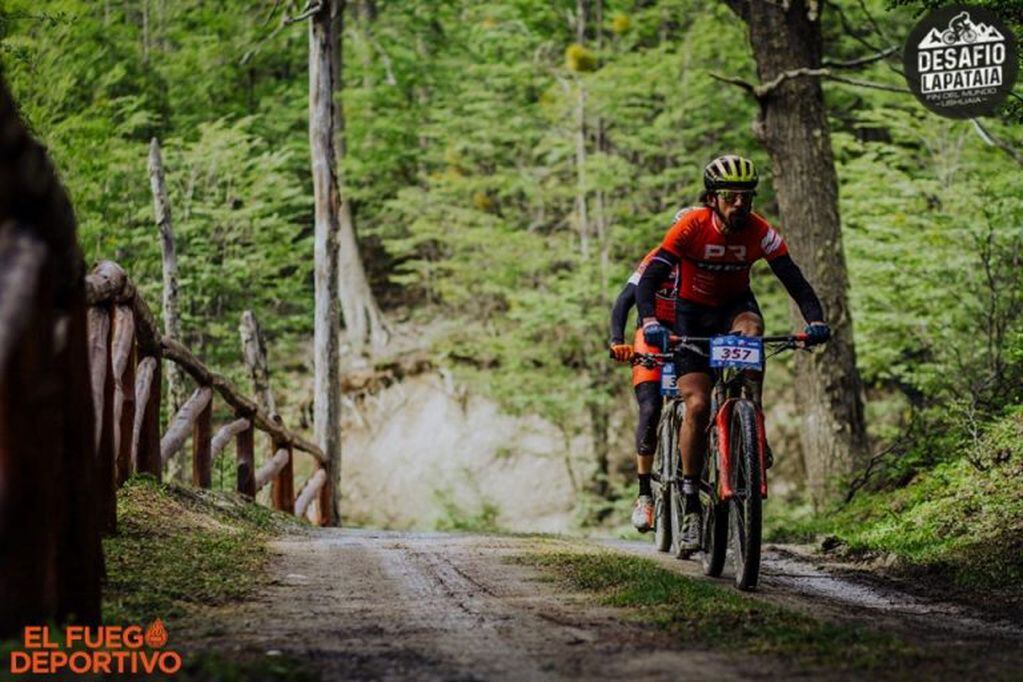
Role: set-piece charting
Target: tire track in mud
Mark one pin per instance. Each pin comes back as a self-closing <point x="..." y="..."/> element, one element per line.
<point x="792" y="578"/>
<point x="374" y="605"/>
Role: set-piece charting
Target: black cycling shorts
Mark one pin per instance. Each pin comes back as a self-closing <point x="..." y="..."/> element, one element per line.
<point x="694" y="319"/>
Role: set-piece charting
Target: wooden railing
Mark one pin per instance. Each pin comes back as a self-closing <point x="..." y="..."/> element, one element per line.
<point x="127" y="353"/>
<point x="81" y="363"/>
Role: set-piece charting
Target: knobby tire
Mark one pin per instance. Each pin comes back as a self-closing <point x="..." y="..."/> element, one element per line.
<point x="667" y="466"/>
<point x="746" y="511"/>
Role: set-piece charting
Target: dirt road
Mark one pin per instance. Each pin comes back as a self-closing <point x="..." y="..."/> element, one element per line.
<point x="362" y="605"/>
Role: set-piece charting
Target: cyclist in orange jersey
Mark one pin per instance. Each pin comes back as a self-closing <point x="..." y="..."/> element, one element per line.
<point x="714" y="248"/>
<point x="646" y="382"/>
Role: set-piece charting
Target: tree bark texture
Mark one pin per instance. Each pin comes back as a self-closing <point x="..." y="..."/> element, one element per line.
<point x="364" y="322"/>
<point x="171" y="318"/>
<point x="51" y="559"/>
<point x="309" y="492"/>
<point x="123" y="362"/>
<point x="245" y="449"/>
<point x="282" y="490"/>
<point x="183" y="422"/>
<point x="226" y="433"/>
<point x="327" y="199"/>
<point x="793" y="126"/>
<point x="202" y="475"/>
<point x="254" y="351"/>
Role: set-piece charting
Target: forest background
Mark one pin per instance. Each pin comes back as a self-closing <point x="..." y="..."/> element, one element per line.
<point x="462" y="169"/>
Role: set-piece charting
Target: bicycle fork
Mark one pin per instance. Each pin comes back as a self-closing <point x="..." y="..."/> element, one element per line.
<point x="722" y="426"/>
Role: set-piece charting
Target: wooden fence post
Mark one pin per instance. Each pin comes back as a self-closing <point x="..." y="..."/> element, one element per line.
<point x="201" y="434"/>
<point x="246" y="462"/>
<point x="282" y="491"/>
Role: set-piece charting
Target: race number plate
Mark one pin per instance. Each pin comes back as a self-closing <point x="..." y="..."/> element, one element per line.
<point x="742" y="352"/>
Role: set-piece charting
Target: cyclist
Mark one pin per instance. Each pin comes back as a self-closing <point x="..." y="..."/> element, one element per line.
<point x="714" y="247"/>
<point x="959" y="26"/>
<point x="646" y="382"/>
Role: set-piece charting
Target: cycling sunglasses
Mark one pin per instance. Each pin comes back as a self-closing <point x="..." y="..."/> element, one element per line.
<point x="729" y="196"/>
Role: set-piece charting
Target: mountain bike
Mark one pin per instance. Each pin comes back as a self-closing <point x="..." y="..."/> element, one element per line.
<point x="734" y="481"/>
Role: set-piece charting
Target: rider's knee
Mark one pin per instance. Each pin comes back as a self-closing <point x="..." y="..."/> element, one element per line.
<point x="698" y="407"/>
<point x="749" y="324"/>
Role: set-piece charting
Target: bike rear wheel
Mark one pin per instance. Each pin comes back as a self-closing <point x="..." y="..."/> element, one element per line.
<point x="666" y="465"/>
<point x="745" y="508"/>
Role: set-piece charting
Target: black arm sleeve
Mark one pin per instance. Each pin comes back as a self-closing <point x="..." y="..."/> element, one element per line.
<point x="658" y="270"/>
<point x="620" y="312"/>
<point x="786" y="270"/>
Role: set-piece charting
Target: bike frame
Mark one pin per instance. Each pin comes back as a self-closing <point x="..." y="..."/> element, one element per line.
<point x="729" y="387"/>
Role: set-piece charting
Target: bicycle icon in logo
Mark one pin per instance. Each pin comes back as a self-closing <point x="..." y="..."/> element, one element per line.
<point x="960" y="30"/>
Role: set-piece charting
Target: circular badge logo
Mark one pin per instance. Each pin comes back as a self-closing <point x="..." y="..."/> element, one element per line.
<point x="961" y="61"/>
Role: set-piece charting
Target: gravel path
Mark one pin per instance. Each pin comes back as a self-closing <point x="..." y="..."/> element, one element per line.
<point x="373" y="605"/>
<point x="378" y="605"/>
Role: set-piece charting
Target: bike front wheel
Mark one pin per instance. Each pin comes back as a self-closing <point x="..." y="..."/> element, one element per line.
<point x="666" y="465"/>
<point x="745" y="508"/>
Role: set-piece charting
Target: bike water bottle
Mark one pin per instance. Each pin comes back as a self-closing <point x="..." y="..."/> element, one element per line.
<point x="669" y="382"/>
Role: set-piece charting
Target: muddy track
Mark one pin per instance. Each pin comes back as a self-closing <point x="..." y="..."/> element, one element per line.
<point x="375" y="605"/>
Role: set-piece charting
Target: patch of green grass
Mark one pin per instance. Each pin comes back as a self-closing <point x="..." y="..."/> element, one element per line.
<point x="956" y="521"/>
<point x="178" y="548"/>
<point x="715" y="616"/>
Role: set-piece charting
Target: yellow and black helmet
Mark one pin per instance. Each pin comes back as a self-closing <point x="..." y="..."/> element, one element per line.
<point x="730" y="172"/>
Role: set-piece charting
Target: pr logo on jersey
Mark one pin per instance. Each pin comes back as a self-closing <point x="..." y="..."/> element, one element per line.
<point x="715" y="251"/>
<point x="961" y="61"/>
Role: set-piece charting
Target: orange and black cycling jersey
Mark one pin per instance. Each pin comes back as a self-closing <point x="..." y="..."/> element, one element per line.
<point x="664" y="299"/>
<point x="713" y="267"/>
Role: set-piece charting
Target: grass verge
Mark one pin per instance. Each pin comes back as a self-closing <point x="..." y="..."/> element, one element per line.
<point x="959" y="523"/>
<point x="178" y="548"/>
<point x="713" y="616"/>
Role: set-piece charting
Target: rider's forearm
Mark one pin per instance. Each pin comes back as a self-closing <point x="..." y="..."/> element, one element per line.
<point x="786" y="270"/>
<point x="658" y="270"/>
<point x="620" y="312"/>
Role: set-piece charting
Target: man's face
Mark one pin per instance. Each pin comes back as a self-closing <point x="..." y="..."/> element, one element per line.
<point x="735" y="205"/>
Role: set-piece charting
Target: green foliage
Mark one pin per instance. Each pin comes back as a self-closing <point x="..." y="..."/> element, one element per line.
<point x="958" y="521"/>
<point x="466" y="172"/>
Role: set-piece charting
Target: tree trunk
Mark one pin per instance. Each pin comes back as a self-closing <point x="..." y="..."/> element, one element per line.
<point x="254" y="350"/>
<point x="327" y="198"/>
<point x="171" y="318"/>
<point x="364" y="322"/>
<point x="793" y="127"/>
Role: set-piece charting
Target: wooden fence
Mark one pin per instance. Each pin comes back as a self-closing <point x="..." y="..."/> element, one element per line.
<point x="126" y="356"/>
<point x="81" y="364"/>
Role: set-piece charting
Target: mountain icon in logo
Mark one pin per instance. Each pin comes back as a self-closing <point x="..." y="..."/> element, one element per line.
<point x="961" y="31"/>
